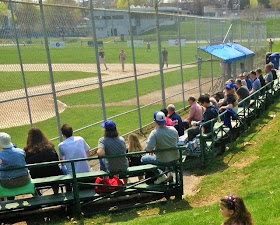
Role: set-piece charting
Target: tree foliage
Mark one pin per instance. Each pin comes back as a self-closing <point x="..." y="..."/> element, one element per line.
<point x="274" y="4"/>
<point x="28" y="19"/>
<point x="62" y="20"/>
<point x="123" y="3"/>
<point x="254" y="3"/>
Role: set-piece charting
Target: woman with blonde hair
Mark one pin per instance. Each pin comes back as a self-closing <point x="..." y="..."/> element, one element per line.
<point x="39" y="149"/>
<point x="134" y="146"/>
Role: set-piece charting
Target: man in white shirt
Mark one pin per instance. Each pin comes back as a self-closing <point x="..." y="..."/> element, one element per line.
<point x="74" y="147"/>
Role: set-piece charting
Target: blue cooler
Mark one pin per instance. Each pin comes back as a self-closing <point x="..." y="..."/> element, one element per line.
<point x="274" y="58"/>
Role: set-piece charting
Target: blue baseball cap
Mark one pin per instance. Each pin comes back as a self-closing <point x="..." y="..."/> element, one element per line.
<point x="159" y="117"/>
<point x="109" y="125"/>
<point x="230" y="86"/>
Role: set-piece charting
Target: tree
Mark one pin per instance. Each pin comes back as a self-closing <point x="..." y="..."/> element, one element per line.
<point x="62" y="20"/>
<point x="123" y="3"/>
<point x="274" y="4"/>
<point x="254" y="3"/>
<point x="244" y="3"/>
<point x="253" y="13"/>
<point x="28" y="19"/>
<point x="264" y="2"/>
<point x="4" y="15"/>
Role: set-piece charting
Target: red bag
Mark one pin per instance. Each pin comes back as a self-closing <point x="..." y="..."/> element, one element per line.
<point x="114" y="182"/>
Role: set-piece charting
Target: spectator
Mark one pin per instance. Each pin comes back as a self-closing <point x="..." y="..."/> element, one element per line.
<point x="270" y="43"/>
<point x="169" y="122"/>
<point x="256" y="82"/>
<point x="260" y="77"/>
<point x="164" y="57"/>
<point x="210" y="113"/>
<point x="112" y="144"/>
<point x="268" y="76"/>
<point x="241" y="77"/>
<point x="39" y="149"/>
<point x="231" y="99"/>
<point x="12" y="157"/>
<point x="134" y="146"/>
<point x="195" y="114"/>
<point x="74" y="147"/>
<point x="162" y="137"/>
<point x="242" y="92"/>
<point x="177" y="121"/>
<point x="273" y="71"/>
<point x="233" y="208"/>
<point x="213" y="101"/>
<point x="248" y="81"/>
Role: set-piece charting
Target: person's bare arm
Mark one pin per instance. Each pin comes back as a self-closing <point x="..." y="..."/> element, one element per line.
<point x="100" y="152"/>
<point x="1" y="161"/>
<point x="88" y="153"/>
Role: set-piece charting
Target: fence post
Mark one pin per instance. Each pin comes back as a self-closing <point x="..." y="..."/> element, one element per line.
<point x="210" y="42"/>
<point x="134" y="68"/>
<point x="197" y="57"/>
<point x="76" y="191"/>
<point x="21" y="65"/>
<point x="50" y="68"/>
<point x="180" y="55"/>
<point x="159" y="57"/>
<point x="97" y="61"/>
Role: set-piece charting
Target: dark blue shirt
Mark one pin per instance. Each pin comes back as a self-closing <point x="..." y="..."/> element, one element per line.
<point x="210" y="113"/>
<point x="249" y="83"/>
<point x="101" y="54"/>
<point x="177" y="123"/>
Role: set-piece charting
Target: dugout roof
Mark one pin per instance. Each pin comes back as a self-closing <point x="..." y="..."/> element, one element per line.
<point x="229" y="52"/>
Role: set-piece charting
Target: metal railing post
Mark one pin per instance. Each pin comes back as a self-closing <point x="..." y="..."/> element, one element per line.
<point x="134" y="68"/>
<point x="50" y="69"/>
<point x="180" y="55"/>
<point x="21" y="65"/>
<point x="76" y="191"/>
<point x="159" y="56"/>
<point x="197" y="58"/>
<point x="211" y="58"/>
<point x="97" y="61"/>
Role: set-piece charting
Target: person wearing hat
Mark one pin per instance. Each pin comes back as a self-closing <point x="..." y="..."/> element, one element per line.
<point x="163" y="137"/>
<point x="73" y="147"/>
<point x="230" y="100"/>
<point x="12" y="157"/>
<point x="248" y="81"/>
<point x="102" y="58"/>
<point x="112" y="144"/>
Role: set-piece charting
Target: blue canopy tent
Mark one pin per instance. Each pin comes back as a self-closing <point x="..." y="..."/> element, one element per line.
<point x="230" y="52"/>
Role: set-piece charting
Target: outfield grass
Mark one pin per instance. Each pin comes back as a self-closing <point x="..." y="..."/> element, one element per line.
<point x="251" y="172"/>
<point x="146" y="86"/>
<point x="13" y="80"/>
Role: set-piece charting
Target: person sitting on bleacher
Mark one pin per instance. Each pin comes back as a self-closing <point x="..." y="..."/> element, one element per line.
<point x="248" y="81"/>
<point x="195" y="114"/>
<point x="177" y="120"/>
<point x="210" y="113"/>
<point x="74" y="147"/>
<point x="241" y="77"/>
<point x="260" y="76"/>
<point x="273" y="71"/>
<point x="12" y="157"/>
<point x="169" y="122"/>
<point x="39" y="149"/>
<point x="242" y="91"/>
<point x="163" y="137"/>
<point x="231" y="99"/>
<point x="268" y="76"/>
<point x="256" y="82"/>
<point x="112" y="144"/>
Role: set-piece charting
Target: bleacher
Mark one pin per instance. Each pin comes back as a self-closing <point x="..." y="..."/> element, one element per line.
<point x="83" y="184"/>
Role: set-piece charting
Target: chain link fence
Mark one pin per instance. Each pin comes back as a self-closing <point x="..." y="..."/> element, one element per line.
<point x="61" y="62"/>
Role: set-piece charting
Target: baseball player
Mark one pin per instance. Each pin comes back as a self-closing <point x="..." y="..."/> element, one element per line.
<point x="164" y="57"/>
<point x="122" y="57"/>
<point x="102" y="58"/>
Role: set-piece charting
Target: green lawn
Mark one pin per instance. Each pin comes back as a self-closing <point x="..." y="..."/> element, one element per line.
<point x="251" y="172"/>
<point x="146" y="85"/>
<point x="13" y="80"/>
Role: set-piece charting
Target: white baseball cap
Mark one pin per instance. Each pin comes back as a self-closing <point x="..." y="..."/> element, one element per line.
<point x="159" y="117"/>
<point x="5" y="140"/>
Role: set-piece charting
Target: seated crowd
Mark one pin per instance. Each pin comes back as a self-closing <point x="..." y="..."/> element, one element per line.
<point x="168" y="127"/>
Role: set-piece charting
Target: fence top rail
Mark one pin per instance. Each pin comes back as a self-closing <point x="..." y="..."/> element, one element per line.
<point x="43" y="164"/>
